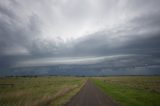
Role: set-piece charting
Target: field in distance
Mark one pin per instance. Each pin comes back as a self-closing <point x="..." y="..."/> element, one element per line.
<point x="131" y="90"/>
<point x="38" y="91"/>
<point x="57" y="91"/>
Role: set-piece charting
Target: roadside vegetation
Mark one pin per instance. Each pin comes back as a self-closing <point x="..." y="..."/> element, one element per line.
<point x="56" y="91"/>
<point x="38" y="91"/>
<point x="131" y="91"/>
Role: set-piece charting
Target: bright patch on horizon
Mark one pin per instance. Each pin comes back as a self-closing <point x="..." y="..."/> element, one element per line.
<point x="68" y="61"/>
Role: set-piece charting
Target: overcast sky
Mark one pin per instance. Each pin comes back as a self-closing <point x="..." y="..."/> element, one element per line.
<point x="42" y="29"/>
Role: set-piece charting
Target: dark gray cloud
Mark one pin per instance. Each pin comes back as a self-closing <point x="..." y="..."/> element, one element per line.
<point x="69" y="28"/>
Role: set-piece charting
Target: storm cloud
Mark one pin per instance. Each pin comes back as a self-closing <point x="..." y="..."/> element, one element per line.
<point x="36" y="30"/>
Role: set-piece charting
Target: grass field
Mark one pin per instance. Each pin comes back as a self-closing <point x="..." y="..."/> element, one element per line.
<point x="56" y="91"/>
<point x="131" y="91"/>
<point x="38" y="91"/>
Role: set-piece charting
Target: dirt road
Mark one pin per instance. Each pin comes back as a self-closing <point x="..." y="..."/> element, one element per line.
<point x="90" y="95"/>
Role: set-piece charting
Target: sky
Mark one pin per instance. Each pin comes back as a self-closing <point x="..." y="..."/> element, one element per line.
<point x="40" y="32"/>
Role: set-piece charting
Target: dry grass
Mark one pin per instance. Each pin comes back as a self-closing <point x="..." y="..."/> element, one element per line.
<point x="41" y="91"/>
<point x="47" y="100"/>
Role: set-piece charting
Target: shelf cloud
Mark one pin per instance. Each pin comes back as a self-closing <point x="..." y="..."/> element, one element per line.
<point x="33" y="30"/>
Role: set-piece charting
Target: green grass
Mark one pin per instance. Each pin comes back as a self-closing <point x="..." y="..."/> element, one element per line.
<point x="56" y="91"/>
<point x="38" y="91"/>
<point x="131" y="91"/>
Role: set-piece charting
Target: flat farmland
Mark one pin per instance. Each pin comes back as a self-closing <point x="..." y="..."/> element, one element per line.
<point x="38" y="91"/>
<point x="80" y="91"/>
<point x="131" y="90"/>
